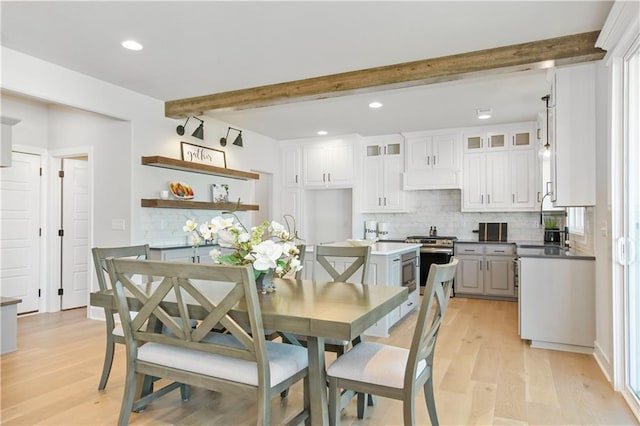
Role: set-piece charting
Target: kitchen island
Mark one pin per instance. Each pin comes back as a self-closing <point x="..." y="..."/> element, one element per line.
<point x="557" y="298"/>
<point x="391" y="264"/>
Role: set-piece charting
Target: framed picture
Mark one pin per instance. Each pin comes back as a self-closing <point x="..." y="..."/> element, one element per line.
<point x="203" y="155"/>
<point x="220" y="193"/>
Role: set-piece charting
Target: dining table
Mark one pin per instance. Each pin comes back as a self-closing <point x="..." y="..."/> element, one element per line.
<point x="313" y="308"/>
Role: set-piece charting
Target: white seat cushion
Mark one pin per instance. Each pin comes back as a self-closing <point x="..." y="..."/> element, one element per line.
<point x="284" y="360"/>
<point x="375" y="363"/>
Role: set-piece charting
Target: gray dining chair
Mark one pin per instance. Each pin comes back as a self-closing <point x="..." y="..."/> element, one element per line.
<point x="240" y="363"/>
<point x="114" y="332"/>
<point x="393" y="372"/>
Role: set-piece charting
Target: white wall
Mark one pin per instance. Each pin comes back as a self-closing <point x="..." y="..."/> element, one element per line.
<point x="603" y="221"/>
<point x="134" y="125"/>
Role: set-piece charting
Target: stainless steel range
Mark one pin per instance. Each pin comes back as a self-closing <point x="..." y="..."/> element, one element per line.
<point x="436" y="250"/>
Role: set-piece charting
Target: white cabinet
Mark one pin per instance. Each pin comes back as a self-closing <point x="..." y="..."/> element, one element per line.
<point x="500" y="169"/>
<point x="524" y="172"/>
<point x="291" y="191"/>
<point x="432" y="161"/>
<point x="183" y="254"/>
<point x="291" y="166"/>
<point x="328" y="165"/>
<point x="486" y="270"/>
<point x="486" y="181"/>
<point x="573" y="137"/>
<point x="557" y="303"/>
<point x="382" y="177"/>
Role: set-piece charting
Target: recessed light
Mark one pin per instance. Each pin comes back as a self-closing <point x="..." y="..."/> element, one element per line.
<point x="375" y="105"/>
<point x="483" y="114"/>
<point x="322" y="132"/>
<point x="131" y="45"/>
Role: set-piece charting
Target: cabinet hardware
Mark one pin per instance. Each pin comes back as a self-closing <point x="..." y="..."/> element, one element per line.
<point x="434" y="160"/>
<point x="323" y="178"/>
<point x="296" y="178"/>
<point x="469" y="250"/>
<point x="499" y="251"/>
<point x="328" y="177"/>
<point x="428" y="159"/>
<point x="379" y="201"/>
<point x="481" y="262"/>
<point x="488" y="198"/>
<point x="538" y="133"/>
<point x="481" y="198"/>
<point x="513" y="140"/>
<point x="538" y="197"/>
<point x="379" y="150"/>
<point x="487" y="265"/>
<point x="513" y="198"/>
<point x="385" y="201"/>
<point x="409" y="304"/>
<point x="385" y="150"/>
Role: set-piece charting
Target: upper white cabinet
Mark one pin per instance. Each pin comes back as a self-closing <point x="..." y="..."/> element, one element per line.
<point x="291" y="191"/>
<point x="291" y="166"/>
<point x="328" y="165"/>
<point x="382" y="174"/>
<point x="432" y="161"/>
<point x="500" y="169"/>
<point x="573" y="137"/>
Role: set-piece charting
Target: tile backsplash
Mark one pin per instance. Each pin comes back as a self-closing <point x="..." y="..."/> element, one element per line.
<point x="441" y="208"/>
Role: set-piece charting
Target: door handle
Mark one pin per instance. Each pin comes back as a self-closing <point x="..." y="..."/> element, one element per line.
<point x="620" y="249"/>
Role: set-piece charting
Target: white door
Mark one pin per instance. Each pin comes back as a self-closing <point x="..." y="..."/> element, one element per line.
<point x="20" y="230"/>
<point x="75" y="242"/>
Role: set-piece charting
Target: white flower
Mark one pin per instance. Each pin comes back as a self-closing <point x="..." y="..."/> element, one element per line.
<point x="215" y="254"/>
<point x="295" y="264"/>
<point x="206" y="232"/>
<point x="279" y="270"/>
<point x="225" y="238"/>
<point x="190" y="226"/>
<point x="266" y="254"/>
<point x="195" y="239"/>
<point x="277" y="230"/>
<point x="244" y="237"/>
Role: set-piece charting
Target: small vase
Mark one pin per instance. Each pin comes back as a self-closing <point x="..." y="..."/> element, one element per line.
<point x="264" y="282"/>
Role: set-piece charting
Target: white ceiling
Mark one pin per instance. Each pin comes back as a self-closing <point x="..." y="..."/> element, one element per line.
<point x="203" y="47"/>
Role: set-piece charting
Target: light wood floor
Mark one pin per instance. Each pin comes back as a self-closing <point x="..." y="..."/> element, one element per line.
<point x="484" y="374"/>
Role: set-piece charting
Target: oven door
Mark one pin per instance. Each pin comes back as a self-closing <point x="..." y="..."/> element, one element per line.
<point x="429" y="256"/>
<point x="409" y="272"/>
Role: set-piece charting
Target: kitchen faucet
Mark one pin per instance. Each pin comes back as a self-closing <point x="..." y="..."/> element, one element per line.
<point x="542" y="204"/>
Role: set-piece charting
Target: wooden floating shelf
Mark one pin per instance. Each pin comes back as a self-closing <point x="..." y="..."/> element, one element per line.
<point x="187" y="166"/>
<point x="202" y="205"/>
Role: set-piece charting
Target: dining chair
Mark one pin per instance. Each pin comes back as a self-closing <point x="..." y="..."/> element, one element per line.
<point x="236" y="363"/>
<point x="392" y="372"/>
<point x="114" y="332"/>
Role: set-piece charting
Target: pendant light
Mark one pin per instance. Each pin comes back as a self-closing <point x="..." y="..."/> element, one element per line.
<point x="547" y="146"/>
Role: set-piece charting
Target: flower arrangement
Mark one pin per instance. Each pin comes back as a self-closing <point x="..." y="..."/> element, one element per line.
<point x="268" y="247"/>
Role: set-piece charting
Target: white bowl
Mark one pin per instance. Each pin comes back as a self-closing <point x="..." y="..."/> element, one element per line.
<point x="362" y="243"/>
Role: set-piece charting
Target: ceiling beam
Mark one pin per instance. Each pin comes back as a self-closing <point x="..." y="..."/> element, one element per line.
<point x="519" y="57"/>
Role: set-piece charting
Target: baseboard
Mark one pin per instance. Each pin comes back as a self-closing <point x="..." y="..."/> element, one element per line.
<point x="603" y="361"/>
<point x="561" y="347"/>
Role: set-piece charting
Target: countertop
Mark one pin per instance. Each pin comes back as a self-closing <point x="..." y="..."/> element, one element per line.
<point x="552" y="252"/>
<point x="383" y="248"/>
<point x="537" y="249"/>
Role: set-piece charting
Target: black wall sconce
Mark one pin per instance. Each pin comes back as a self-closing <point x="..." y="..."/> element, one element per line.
<point x="237" y="141"/>
<point x="198" y="133"/>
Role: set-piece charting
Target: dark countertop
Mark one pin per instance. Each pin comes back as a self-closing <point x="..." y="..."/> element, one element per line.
<point x="552" y="252"/>
<point x="483" y="242"/>
<point x="178" y="246"/>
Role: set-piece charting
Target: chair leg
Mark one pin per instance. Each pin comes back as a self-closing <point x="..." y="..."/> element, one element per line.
<point x="130" y="386"/>
<point x="431" y="402"/>
<point x="185" y="392"/>
<point x="409" y="410"/>
<point x="334" y="402"/>
<point x="371" y="400"/>
<point x="264" y="407"/>
<point x="108" y="360"/>
<point x="362" y="405"/>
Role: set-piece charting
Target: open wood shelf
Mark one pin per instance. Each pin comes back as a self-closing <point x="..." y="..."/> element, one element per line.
<point x="202" y="205"/>
<point x="172" y="163"/>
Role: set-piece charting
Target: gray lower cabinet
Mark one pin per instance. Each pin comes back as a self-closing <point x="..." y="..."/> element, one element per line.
<point x="183" y="254"/>
<point x="486" y="270"/>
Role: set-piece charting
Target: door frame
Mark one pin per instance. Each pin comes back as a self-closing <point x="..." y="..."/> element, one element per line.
<point x="51" y="297"/>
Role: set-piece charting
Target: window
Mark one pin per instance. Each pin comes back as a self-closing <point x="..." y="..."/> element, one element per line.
<point x="575" y="220"/>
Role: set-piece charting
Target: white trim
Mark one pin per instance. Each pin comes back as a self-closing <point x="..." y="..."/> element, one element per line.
<point x="602" y="360"/>
<point x="632" y="402"/>
<point x="621" y="17"/>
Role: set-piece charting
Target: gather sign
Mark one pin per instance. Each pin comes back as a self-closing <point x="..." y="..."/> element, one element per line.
<point x="203" y="155"/>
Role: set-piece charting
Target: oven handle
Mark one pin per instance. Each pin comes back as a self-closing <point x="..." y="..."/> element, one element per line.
<point x="436" y="250"/>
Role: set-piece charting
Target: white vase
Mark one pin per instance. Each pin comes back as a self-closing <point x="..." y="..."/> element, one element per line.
<point x="264" y="282"/>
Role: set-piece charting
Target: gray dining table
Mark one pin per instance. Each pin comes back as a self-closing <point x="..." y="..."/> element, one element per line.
<point x="316" y="309"/>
